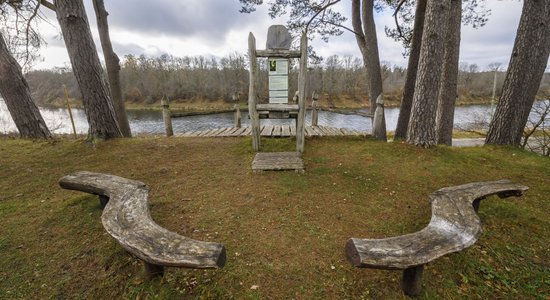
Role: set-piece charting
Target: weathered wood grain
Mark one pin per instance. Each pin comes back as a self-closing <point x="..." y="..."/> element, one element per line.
<point x="277" y="107"/>
<point x="302" y="84"/>
<point x="254" y="118"/>
<point x="278" y="37"/>
<point x="276" y="131"/>
<point x="127" y="219"/>
<point x="278" y="161"/>
<point x="278" y="53"/>
<point x="453" y="227"/>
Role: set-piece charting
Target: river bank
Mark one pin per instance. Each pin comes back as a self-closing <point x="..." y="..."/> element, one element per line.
<point x="184" y="107"/>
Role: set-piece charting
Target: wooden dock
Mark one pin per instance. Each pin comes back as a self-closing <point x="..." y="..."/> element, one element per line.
<point x="273" y="131"/>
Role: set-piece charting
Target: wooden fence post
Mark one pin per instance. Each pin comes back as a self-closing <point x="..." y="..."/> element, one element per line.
<point x="315" y="111"/>
<point x="237" y="123"/>
<point x="300" y="128"/>
<point x="166" y="116"/>
<point x="69" y="109"/>
<point x="253" y="114"/>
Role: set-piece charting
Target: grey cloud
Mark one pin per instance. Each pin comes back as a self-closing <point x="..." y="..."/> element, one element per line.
<point x="208" y="19"/>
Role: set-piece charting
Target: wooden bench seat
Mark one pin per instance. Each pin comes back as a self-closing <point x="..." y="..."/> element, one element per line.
<point x="126" y="218"/>
<point x="277" y="111"/>
<point x="453" y="227"/>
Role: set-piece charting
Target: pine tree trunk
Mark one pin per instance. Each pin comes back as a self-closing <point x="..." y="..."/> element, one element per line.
<point x="87" y="69"/>
<point x="372" y="63"/>
<point x="448" y="88"/>
<point x="412" y="67"/>
<point x="365" y="29"/>
<point x="525" y="71"/>
<point x="422" y="129"/>
<point x="113" y="67"/>
<point x="15" y="91"/>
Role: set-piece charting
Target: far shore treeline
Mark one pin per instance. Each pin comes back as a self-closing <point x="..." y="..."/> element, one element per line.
<point x="339" y="80"/>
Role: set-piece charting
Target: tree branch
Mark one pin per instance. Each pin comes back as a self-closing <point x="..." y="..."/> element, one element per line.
<point x="322" y="9"/>
<point x="47" y="4"/>
<point x="397" y="21"/>
<point x="342" y="26"/>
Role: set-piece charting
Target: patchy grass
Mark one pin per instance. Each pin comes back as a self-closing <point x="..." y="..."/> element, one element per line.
<point x="284" y="231"/>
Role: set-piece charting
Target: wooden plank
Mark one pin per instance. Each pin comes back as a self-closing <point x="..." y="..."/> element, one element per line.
<point x="285" y="130"/>
<point x="323" y="131"/>
<point x="254" y="118"/>
<point x="266" y="131"/>
<point x="454" y="226"/>
<point x="292" y="130"/>
<point x="239" y="131"/>
<point x="127" y="219"/>
<point x="302" y="81"/>
<point x="336" y="131"/>
<point x="276" y="131"/>
<point x="230" y="131"/>
<point x="308" y="130"/>
<point x="278" y="53"/>
<point x="277" y="107"/>
<point x="247" y="131"/>
<point x="315" y="131"/>
<point x="201" y="132"/>
<point x="226" y="131"/>
<point x="318" y="132"/>
<point x="217" y="131"/>
<point x="346" y="131"/>
<point x="277" y="161"/>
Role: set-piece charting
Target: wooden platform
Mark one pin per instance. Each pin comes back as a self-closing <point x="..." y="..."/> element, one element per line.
<point x="278" y="161"/>
<point x="273" y="131"/>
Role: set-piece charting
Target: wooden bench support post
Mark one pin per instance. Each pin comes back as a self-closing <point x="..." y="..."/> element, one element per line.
<point x="412" y="280"/>
<point x="153" y="270"/>
<point x="476" y="202"/>
<point x="103" y="200"/>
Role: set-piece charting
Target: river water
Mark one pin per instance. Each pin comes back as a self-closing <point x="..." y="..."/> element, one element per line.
<point x="150" y="121"/>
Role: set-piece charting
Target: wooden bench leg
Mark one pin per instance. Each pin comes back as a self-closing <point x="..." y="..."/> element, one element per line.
<point x="103" y="201"/>
<point x="153" y="270"/>
<point x="412" y="280"/>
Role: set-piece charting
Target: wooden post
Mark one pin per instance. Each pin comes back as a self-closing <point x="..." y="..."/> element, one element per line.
<point x="254" y="117"/>
<point x="153" y="270"/>
<point x="300" y="128"/>
<point x="315" y="111"/>
<point x="69" y="109"/>
<point x="412" y="280"/>
<point x="237" y="111"/>
<point x="166" y="116"/>
<point x="379" y="120"/>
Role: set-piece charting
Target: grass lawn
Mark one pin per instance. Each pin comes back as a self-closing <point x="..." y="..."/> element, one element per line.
<point x="284" y="232"/>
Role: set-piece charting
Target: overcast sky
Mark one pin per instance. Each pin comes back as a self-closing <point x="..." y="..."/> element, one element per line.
<point x="215" y="27"/>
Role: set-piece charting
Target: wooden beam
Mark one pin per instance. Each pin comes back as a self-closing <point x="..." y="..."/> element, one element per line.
<point x="278" y="53"/>
<point x="300" y="124"/>
<point x="278" y="107"/>
<point x="254" y="118"/>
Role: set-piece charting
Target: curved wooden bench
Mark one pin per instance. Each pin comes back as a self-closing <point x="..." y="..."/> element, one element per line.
<point x="453" y="227"/>
<point x="126" y="218"/>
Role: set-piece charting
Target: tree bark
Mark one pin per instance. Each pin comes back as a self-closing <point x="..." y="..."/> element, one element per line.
<point x="525" y="71"/>
<point x="87" y="69"/>
<point x="15" y="91"/>
<point x="365" y="35"/>
<point x="421" y="131"/>
<point x="448" y="88"/>
<point x="412" y="67"/>
<point x="113" y="67"/>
